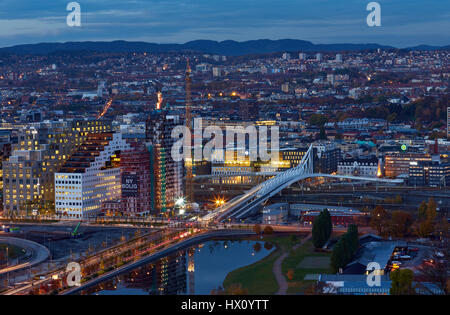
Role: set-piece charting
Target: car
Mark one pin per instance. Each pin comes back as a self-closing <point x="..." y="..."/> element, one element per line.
<point x="406" y="257"/>
<point x="396" y="262"/>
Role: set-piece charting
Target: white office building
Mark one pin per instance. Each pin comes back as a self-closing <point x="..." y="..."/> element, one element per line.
<point x="90" y="176"/>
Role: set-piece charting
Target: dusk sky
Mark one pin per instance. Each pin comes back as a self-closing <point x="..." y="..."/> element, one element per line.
<point x="404" y="22"/>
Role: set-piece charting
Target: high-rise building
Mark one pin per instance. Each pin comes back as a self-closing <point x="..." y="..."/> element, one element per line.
<point x="41" y="150"/>
<point x="136" y="183"/>
<point x="399" y="163"/>
<point x="90" y="176"/>
<point x="101" y="88"/>
<point x="5" y="152"/>
<point x="425" y="173"/>
<point x="286" y="56"/>
<point x="326" y="157"/>
<point x="448" y="122"/>
<point x="217" y="72"/>
<point x="166" y="184"/>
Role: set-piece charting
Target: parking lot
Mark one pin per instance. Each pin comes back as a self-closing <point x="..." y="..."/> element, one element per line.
<point x="411" y="257"/>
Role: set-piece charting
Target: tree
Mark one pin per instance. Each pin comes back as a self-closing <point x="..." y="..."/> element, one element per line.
<point x="427" y="215"/>
<point x="400" y="223"/>
<point x="323" y="133"/>
<point x="345" y="248"/>
<point x="379" y="219"/>
<point x="435" y="273"/>
<point x="431" y="210"/>
<point x="322" y="228"/>
<point x="257" y="229"/>
<point x="422" y="211"/>
<point x="402" y="282"/>
<point x="318" y="120"/>
<point x="268" y="230"/>
<point x="337" y="257"/>
<point x="268" y="245"/>
<point x="290" y="274"/>
<point x="327" y="223"/>
<point x="352" y="231"/>
<point x="425" y="228"/>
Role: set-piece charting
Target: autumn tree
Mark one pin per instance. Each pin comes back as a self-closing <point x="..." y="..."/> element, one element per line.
<point x="431" y="210"/>
<point x="268" y="245"/>
<point x="400" y="223"/>
<point x="425" y="228"/>
<point x="426" y="218"/>
<point x="379" y="219"/>
<point x="257" y="247"/>
<point x="290" y="274"/>
<point x="268" y="230"/>
<point x="422" y="211"/>
<point x="257" y="229"/>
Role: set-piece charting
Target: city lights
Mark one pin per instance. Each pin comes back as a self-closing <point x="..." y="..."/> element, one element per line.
<point x="315" y="161"/>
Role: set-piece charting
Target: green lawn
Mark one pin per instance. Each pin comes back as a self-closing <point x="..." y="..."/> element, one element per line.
<point x="301" y="261"/>
<point x="258" y="278"/>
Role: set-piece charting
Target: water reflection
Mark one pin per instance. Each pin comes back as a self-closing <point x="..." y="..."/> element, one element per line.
<point x="197" y="270"/>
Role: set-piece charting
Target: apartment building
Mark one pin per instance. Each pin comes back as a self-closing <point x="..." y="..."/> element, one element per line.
<point x="90" y="176"/>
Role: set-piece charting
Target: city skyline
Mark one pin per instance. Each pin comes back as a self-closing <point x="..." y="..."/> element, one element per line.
<point x="403" y="23"/>
<point x="284" y="148"/>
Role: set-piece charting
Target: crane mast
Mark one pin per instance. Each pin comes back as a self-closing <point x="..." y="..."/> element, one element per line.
<point x="189" y="162"/>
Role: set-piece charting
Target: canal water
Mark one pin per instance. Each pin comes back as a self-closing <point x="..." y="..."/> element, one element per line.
<point x="197" y="270"/>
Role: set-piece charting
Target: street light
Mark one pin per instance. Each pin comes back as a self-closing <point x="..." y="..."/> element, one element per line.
<point x="180" y="202"/>
<point x="219" y="202"/>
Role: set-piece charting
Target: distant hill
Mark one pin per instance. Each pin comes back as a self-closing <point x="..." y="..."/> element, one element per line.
<point x="228" y="47"/>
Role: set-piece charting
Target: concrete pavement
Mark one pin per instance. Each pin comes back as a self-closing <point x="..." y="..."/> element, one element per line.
<point x="39" y="253"/>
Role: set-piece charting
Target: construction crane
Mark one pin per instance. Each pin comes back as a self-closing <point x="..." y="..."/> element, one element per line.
<point x="188" y="164"/>
<point x="75" y="233"/>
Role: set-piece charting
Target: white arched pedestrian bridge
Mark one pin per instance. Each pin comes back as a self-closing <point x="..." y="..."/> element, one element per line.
<point x="243" y="205"/>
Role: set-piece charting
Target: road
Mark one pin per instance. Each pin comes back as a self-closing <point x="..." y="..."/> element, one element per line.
<point x="39" y="253"/>
<point x="188" y="242"/>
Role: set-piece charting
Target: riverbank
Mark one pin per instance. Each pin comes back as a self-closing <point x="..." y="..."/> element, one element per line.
<point x="258" y="278"/>
<point x="300" y="259"/>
